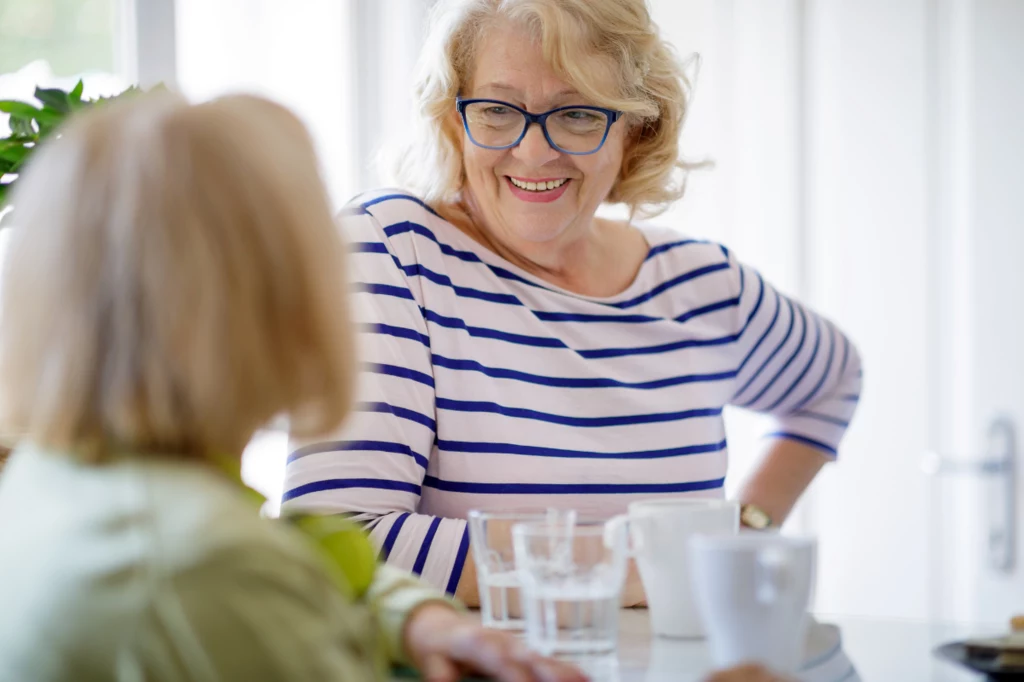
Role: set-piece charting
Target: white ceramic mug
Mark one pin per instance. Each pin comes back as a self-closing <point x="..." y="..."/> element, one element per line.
<point x="753" y="590"/>
<point x="659" y="531"/>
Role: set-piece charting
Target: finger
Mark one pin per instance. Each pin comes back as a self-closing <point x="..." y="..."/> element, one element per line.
<point x="551" y="670"/>
<point x="437" y="668"/>
<point x="513" y="671"/>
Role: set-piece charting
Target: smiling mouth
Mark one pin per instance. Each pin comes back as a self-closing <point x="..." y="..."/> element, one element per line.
<point x="537" y="185"/>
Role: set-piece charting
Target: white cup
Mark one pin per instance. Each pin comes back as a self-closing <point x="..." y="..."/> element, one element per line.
<point x="659" y="531"/>
<point x="753" y="591"/>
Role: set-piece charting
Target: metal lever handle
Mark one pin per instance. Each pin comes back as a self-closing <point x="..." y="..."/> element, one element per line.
<point x="999" y="463"/>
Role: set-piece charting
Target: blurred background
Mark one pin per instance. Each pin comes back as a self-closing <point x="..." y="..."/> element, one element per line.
<point x="867" y="159"/>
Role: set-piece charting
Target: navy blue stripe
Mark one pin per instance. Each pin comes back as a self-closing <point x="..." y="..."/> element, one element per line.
<point x="803" y="439"/>
<point x="571" y="382"/>
<point x="368" y="247"/>
<point x="538" y="451"/>
<point x="850" y="397"/>
<point x="448" y="250"/>
<point x="383" y="290"/>
<point x="570" y="488"/>
<point x="757" y="304"/>
<point x="397" y="332"/>
<point x="829" y="419"/>
<point x="417" y="269"/>
<point x="355" y="445"/>
<point x="460" y="562"/>
<point x="662" y="248"/>
<point x="807" y="368"/>
<point x="486" y="333"/>
<point x="709" y="308"/>
<point x="389" y="541"/>
<point x="826" y="371"/>
<point x="668" y="284"/>
<point x="400" y="412"/>
<point x="421" y="558"/>
<point x="846" y="356"/>
<point x="764" y="335"/>
<point x="789" y="360"/>
<point x="589" y="317"/>
<point x="598" y="353"/>
<point x="565" y="420"/>
<point x="345" y="483"/>
<point x="404" y="197"/>
<point x="401" y="372"/>
<point x="350" y="211"/>
<point x="771" y="356"/>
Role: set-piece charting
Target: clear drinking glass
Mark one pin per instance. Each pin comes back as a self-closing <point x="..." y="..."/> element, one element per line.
<point x="490" y="536"/>
<point x="572" y="578"/>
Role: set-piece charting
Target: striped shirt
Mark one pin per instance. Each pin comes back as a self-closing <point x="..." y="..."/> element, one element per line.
<point x="485" y="387"/>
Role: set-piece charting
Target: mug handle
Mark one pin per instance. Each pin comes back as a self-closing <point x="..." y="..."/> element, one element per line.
<point x="771" y="575"/>
<point x="632" y="527"/>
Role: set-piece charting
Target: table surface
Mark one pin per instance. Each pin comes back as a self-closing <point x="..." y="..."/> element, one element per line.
<point x="881" y="650"/>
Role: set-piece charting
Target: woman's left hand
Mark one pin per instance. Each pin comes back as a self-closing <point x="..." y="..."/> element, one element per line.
<point x="444" y="644"/>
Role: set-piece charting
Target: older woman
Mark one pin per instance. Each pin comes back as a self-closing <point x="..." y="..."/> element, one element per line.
<point x="522" y="352"/>
<point x="171" y="287"/>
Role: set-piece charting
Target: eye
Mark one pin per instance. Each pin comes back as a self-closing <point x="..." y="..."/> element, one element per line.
<point x="582" y="115"/>
<point x="497" y="110"/>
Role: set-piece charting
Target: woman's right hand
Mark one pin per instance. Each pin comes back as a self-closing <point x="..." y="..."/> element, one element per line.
<point x="746" y="673"/>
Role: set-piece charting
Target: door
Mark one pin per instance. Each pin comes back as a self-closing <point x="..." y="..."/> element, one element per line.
<point x="975" y="492"/>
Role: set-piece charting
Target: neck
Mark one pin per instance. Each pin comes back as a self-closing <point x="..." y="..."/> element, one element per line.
<point x="573" y="261"/>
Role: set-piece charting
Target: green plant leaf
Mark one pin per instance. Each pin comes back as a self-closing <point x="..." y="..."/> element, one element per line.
<point x="15" y="108"/>
<point x="76" y="93"/>
<point x="54" y="99"/>
<point x="21" y="126"/>
<point x="4" y="187"/>
<point x="51" y="116"/>
<point x="14" y="153"/>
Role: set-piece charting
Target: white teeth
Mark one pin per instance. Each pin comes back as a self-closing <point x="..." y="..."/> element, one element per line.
<point x="538" y="186"/>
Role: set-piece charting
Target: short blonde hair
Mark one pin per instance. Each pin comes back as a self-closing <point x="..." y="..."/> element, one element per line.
<point x="174" y="281"/>
<point x="653" y="90"/>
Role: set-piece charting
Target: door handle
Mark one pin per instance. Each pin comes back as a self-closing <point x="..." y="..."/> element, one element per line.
<point x="999" y="464"/>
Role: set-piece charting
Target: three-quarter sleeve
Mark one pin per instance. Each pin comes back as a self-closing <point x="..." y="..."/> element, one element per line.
<point x="794" y="365"/>
<point x="374" y="468"/>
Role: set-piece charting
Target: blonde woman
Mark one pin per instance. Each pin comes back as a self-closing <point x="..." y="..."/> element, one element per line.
<point x="171" y="286"/>
<point x="522" y="352"/>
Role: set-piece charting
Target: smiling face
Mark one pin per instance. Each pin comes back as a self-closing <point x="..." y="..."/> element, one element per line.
<point x="531" y="194"/>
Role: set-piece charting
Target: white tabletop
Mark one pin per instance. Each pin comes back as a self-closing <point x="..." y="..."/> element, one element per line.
<point x="882" y="651"/>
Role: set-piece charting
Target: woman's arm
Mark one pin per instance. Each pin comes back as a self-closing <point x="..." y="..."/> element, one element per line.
<point x="374" y="469"/>
<point x="798" y="367"/>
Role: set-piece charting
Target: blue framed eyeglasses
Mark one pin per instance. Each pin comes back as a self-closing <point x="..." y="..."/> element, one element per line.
<point x="578" y="130"/>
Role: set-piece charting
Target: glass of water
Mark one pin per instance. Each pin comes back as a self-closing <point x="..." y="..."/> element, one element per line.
<point x="490" y="536"/>
<point x="572" y="577"/>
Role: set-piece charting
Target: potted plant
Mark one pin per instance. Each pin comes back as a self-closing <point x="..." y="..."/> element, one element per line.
<point x="31" y="123"/>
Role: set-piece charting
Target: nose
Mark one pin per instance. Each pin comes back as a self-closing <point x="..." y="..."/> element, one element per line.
<point x="534" y="149"/>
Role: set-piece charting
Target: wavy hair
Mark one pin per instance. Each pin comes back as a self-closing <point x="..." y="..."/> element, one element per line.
<point x="652" y="90"/>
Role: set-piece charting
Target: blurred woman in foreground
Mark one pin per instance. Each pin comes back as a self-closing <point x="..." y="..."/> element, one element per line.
<point x="171" y="286"/>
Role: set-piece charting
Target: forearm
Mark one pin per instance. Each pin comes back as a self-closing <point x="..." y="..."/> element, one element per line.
<point x="784" y="473"/>
<point x="467" y="591"/>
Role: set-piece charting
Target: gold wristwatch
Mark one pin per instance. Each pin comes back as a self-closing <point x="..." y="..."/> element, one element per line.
<point x="752" y="516"/>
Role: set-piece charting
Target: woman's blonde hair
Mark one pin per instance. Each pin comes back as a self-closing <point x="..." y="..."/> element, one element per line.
<point x="173" y="282"/>
<point x="653" y="90"/>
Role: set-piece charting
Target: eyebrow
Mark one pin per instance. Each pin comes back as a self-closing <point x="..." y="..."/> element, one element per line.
<point x="508" y="88"/>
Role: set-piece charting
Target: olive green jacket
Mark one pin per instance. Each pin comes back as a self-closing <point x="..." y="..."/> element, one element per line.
<point x="163" y="571"/>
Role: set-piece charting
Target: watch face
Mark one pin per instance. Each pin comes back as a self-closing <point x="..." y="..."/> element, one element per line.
<point x="754" y="517"/>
